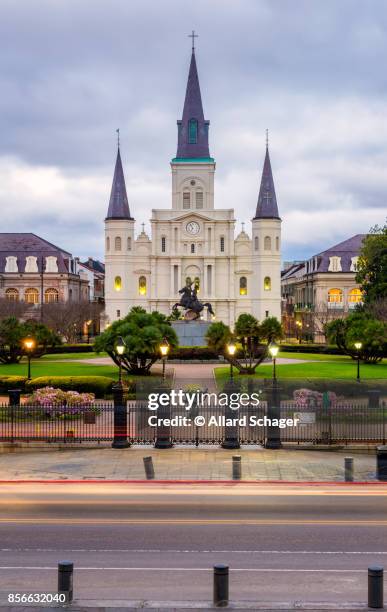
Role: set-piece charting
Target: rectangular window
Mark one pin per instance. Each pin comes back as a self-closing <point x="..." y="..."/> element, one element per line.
<point x="163" y="244"/>
<point x="199" y="199"/>
<point x="186" y="200"/>
<point x="222" y="244"/>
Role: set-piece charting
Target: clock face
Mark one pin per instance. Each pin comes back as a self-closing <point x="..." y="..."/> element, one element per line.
<point x="193" y="227"/>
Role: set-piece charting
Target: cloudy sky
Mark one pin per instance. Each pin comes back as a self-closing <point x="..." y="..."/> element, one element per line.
<point x="311" y="71"/>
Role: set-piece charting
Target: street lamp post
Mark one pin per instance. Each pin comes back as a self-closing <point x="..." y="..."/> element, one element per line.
<point x="299" y="327"/>
<point x="88" y="323"/>
<point x="164" y="350"/>
<point x="120" y="415"/>
<point x="273" y="439"/>
<point x="29" y="345"/>
<point x="273" y="350"/>
<point x="231" y="348"/>
<point x="120" y="350"/>
<point x="358" y="346"/>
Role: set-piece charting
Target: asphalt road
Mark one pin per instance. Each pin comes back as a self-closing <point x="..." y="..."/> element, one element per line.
<point x="283" y="543"/>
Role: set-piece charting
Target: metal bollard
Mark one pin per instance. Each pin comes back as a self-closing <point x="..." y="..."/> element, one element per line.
<point x="236" y="467"/>
<point x="149" y="469"/>
<point x="348" y="469"/>
<point x="220" y="586"/>
<point x="14" y="397"/>
<point x="65" y="579"/>
<point x="375" y="586"/>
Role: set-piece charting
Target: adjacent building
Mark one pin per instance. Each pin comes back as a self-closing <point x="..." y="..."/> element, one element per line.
<point x="321" y="289"/>
<point x="193" y="242"/>
<point x="35" y="271"/>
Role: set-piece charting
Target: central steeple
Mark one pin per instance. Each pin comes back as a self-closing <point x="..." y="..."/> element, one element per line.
<point x="192" y="141"/>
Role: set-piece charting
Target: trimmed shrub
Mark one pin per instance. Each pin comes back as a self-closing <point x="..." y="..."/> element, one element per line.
<point x="193" y="352"/>
<point x="70" y="348"/>
<point x="12" y="382"/>
<point x="99" y="385"/>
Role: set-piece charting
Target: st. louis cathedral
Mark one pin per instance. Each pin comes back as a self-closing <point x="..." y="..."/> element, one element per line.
<point x="193" y="242"/>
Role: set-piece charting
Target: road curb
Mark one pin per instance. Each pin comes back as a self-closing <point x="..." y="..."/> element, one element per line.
<point x="233" y="483"/>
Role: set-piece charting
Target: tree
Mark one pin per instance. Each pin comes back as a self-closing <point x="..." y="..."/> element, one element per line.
<point x="372" y="265"/>
<point x="68" y="318"/>
<point x="142" y="333"/>
<point x="12" y="334"/>
<point x="12" y="308"/>
<point x="253" y="337"/>
<point x="359" y="327"/>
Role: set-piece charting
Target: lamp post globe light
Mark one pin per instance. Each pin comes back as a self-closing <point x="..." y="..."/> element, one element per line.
<point x="358" y="346"/>
<point x="299" y="328"/>
<point x="273" y="350"/>
<point x="120" y="350"/>
<point x="231" y="348"/>
<point x="29" y="345"/>
<point x="164" y="350"/>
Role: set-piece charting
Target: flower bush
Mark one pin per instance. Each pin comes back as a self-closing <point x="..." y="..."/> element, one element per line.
<point x="59" y="403"/>
<point x="306" y="398"/>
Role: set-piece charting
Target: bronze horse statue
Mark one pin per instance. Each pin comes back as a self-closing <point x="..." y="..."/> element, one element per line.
<point x="189" y="301"/>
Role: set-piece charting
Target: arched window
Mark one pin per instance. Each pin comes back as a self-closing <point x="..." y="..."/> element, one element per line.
<point x="243" y="285"/>
<point x="31" y="296"/>
<point x="51" y="295"/>
<point x="192" y="131"/>
<point x="256" y="243"/>
<point x="193" y="247"/>
<point x="12" y="295"/>
<point x="267" y="283"/>
<point x="199" y="199"/>
<point x="267" y="243"/>
<point x="355" y="296"/>
<point x="142" y="285"/>
<point x="108" y="243"/>
<point x="186" y="200"/>
<point x="117" y="283"/>
<point x="117" y="243"/>
<point x="335" y="296"/>
<point x="129" y="243"/>
<point x="277" y="243"/>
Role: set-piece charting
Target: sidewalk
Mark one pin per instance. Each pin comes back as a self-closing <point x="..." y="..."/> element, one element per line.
<point x="211" y="463"/>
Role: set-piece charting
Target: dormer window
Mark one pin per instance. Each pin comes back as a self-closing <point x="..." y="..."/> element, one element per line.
<point x="354" y="264"/>
<point x="11" y="264"/>
<point x="51" y="264"/>
<point x="193" y="131"/>
<point x="31" y="264"/>
<point x="334" y="264"/>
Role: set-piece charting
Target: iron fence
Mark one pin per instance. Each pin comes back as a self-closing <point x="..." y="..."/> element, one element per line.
<point x="340" y="424"/>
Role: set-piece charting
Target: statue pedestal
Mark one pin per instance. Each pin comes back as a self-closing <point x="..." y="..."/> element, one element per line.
<point x="191" y="333"/>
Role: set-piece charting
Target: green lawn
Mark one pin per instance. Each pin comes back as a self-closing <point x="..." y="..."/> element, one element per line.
<point x="41" y="367"/>
<point x="314" y="356"/>
<point x="340" y="369"/>
<point x="76" y="356"/>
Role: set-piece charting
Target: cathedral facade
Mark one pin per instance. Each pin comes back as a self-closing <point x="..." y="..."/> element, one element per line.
<point x="193" y="242"/>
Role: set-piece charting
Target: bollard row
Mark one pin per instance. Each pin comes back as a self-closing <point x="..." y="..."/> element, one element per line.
<point x="221" y="584"/>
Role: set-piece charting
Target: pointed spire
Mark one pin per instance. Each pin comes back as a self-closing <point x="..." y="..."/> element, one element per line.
<point x="267" y="201"/>
<point x="118" y="203"/>
<point x="193" y="128"/>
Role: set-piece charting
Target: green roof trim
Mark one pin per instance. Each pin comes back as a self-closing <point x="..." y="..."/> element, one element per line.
<point x="192" y="160"/>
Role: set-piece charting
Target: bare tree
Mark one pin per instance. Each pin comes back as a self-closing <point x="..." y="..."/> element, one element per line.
<point x="12" y="308"/>
<point x="321" y="316"/>
<point x="68" y="319"/>
<point x="378" y="309"/>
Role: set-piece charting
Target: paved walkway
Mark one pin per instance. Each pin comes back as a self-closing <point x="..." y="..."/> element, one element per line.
<point x="183" y="464"/>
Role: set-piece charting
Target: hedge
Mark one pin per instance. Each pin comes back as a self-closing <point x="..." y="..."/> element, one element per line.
<point x="193" y="352"/>
<point x="12" y="382"/>
<point x="100" y="385"/>
<point x="70" y="348"/>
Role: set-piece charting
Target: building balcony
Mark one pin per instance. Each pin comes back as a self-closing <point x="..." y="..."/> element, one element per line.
<point x="335" y="305"/>
<point x="304" y="306"/>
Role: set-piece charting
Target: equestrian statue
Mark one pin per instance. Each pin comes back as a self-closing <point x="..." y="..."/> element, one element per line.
<point x="189" y="301"/>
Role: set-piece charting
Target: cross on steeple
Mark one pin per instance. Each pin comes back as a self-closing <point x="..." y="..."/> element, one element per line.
<point x="118" y="137"/>
<point x="193" y="36"/>
<point x="143" y="227"/>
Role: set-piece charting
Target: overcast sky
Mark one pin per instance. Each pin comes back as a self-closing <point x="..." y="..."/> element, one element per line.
<point x="311" y="71"/>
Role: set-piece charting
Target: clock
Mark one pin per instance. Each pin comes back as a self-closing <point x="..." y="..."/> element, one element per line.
<point x="193" y="228"/>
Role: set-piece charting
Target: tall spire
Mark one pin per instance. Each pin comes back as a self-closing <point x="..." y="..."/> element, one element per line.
<point x="267" y="201"/>
<point x="118" y="203"/>
<point x="193" y="128"/>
